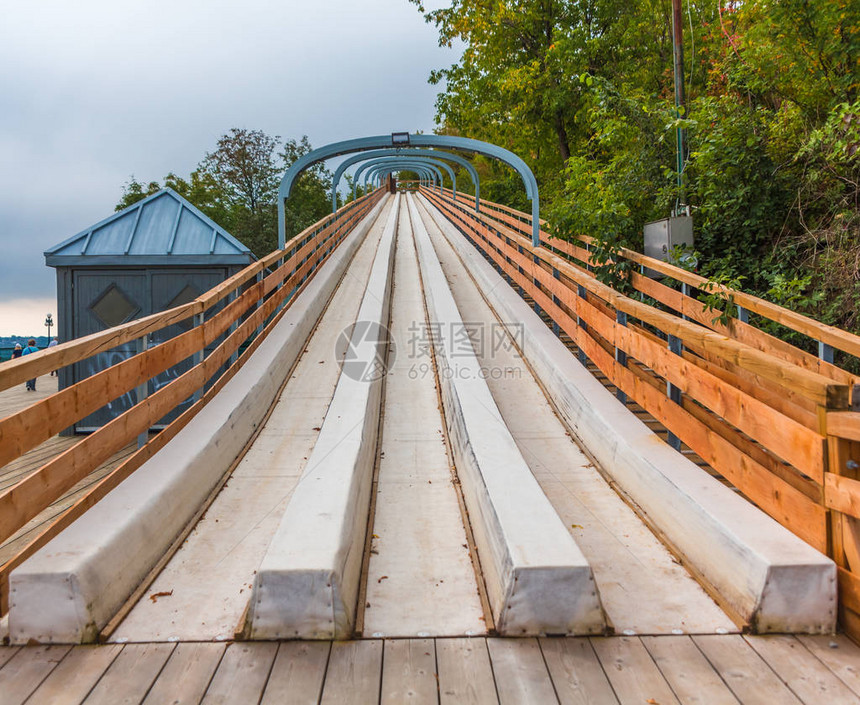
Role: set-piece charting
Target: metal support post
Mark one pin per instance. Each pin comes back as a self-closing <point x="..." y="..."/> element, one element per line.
<point x="142" y="390"/>
<point x="234" y="356"/>
<point x="557" y="301"/>
<point x="620" y="355"/>
<point x="520" y="270"/>
<point x="673" y="392"/>
<point x="825" y="352"/>
<point x="743" y="315"/>
<point x="536" y="259"/>
<point x="259" y="330"/>
<point x="198" y="356"/>
<point x="583" y="358"/>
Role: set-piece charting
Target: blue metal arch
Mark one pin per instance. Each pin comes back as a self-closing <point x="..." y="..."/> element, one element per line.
<point x="404" y="139"/>
<point x="403" y="159"/>
<point x="432" y="172"/>
<point x="435" y="153"/>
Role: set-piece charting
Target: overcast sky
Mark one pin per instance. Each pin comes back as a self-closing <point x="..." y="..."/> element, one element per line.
<point x="95" y="91"/>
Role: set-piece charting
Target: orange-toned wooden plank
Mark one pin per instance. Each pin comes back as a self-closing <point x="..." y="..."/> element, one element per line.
<point x="842" y="494"/>
<point x="844" y="424"/>
<point x="849" y="589"/>
<point x="783" y="502"/>
<point x="786" y="438"/>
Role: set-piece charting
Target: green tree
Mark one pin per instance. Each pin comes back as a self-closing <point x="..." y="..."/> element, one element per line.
<point x="237" y="185"/>
<point x="243" y="172"/>
<point x="134" y="191"/>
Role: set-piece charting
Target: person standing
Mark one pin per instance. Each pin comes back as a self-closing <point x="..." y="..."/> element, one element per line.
<point x="54" y="342"/>
<point x="31" y="348"/>
<point x="18" y="351"/>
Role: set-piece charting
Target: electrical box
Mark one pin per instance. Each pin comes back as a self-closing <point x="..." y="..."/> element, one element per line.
<point x="663" y="236"/>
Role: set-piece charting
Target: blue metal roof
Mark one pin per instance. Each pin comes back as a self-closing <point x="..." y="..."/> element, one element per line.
<point x="161" y="229"/>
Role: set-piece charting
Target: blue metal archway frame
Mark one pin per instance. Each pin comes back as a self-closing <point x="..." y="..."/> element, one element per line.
<point x="424" y="172"/>
<point x="380" y="171"/>
<point x="433" y="163"/>
<point x="431" y="174"/>
<point x="405" y="139"/>
<point x="403" y="159"/>
<point x="434" y="153"/>
<point x="425" y="176"/>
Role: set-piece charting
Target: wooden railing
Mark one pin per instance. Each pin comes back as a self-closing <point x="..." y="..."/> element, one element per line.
<point x="235" y="315"/>
<point x="775" y="421"/>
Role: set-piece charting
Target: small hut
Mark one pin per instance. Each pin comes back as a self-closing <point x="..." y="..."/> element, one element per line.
<point x="158" y="253"/>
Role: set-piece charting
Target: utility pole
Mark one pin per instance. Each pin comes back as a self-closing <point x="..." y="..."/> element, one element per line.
<point x="680" y="102"/>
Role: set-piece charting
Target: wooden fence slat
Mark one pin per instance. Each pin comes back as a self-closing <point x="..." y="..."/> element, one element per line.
<point x="849" y="589"/>
<point x="842" y="494"/>
<point x="788" y="439"/>
<point x="844" y="424"/>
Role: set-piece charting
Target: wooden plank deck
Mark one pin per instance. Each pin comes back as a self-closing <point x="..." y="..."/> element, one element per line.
<point x="620" y="670"/>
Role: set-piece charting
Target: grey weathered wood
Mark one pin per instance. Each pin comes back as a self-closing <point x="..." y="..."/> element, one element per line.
<point x="409" y="672"/>
<point x="576" y="673"/>
<point x="187" y="674"/>
<point x="631" y="671"/>
<point x="465" y="673"/>
<point x="298" y="674"/>
<point x="751" y="679"/>
<point x="23" y="673"/>
<point x="242" y="674"/>
<point x="131" y="675"/>
<point x="688" y="672"/>
<point x="839" y="654"/>
<point x="77" y="674"/>
<point x="809" y="679"/>
<point x="6" y="653"/>
<point x="354" y="672"/>
<point x="521" y="674"/>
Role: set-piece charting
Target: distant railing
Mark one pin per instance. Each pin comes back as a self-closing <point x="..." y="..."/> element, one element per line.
<point x="775" y="421"/>
<point x="252" y="302"/>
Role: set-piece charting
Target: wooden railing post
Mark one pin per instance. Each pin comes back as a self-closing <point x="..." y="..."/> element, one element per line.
<point x="842" y="498"/>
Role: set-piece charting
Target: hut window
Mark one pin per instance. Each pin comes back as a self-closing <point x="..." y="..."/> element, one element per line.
<point x="114" y="306"/>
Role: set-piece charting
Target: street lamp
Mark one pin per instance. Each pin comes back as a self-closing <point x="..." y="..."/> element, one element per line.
<point x="49" y="321"/>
